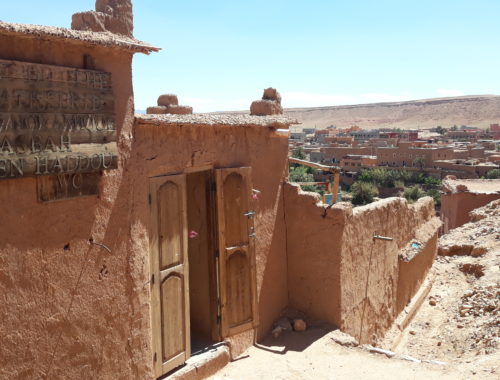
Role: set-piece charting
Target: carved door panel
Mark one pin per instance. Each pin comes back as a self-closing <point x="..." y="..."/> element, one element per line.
<point x="236" y="242"/>
<point x="169" y="269"/>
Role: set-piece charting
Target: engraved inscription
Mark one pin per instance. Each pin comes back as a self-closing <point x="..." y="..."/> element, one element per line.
<point x="67" y="185"/>
<point x="55" y="120"/>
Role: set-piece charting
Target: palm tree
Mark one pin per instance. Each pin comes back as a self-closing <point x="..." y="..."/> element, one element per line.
<point x="419" y="161"/>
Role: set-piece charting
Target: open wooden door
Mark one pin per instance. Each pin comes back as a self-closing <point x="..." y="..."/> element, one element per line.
<point x="236" y="244"/>
<point x="169" y="271"/>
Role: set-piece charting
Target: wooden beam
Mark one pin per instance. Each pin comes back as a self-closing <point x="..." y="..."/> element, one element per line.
<point x="332" y="169"/>
<point x="336" y="183"/>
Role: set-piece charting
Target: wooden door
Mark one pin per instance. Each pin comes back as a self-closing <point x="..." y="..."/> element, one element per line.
<point x="170" y="272"/>
<point x="236" y="244"/>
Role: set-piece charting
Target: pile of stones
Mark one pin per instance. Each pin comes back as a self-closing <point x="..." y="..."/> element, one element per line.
<point x="169" y="104"/>
<point x="481" y="307"/>
<point x="270" y="104"/>
<point x="481" y="300"/>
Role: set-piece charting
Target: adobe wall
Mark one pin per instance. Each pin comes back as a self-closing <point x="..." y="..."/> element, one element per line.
<point x="337" y="271"/>
<point x="455" y="207"/>
<point x="414" y="265"/>
<point x="71" y="309"/>
<point x="314" y="242"/>
<point x="158" y="151"/>
<point x="369" y="267"/>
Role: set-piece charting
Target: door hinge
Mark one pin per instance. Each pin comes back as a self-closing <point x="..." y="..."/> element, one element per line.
<point x="149" y="198"/>
<point x="152" y="279"/>
<point x="217" y="254"/>
<point x="218" y="319"/>
<point x="213" y="187"/>
<point x="155" y="357"/>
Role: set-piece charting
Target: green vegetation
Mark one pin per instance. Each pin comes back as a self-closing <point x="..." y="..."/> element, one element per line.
<point x="441" y="130"/>
<point x="436" y="195"/>
<point x="299" y="153"/>
<point x="300" y="173"/>
<point x="420" y="162"/>
<point x="493" y="174"/>
<point x="363" y="193"/>
<point x="415" y="185"/>
<point x="413" y="193"/>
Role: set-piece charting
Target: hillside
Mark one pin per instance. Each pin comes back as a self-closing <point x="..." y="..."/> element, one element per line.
<point x="480" y="111"/>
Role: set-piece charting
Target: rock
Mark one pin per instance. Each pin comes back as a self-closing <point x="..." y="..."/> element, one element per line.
<point x="280" y="326"/>
<point x="167" y="100"/>
<point x="299" y="325"/>
<point x="265" y="108"/>
<point x="277" y="331"/>
<point x="272" y="94"/>
<point x="284" y="323"/>
<point x="343" y="339"/>
<point x="413" y="332"/>
<point x="432" y="301"/>
<point x="114" y="16"/>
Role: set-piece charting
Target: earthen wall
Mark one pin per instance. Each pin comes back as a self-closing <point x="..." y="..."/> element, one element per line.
<point x="73" y="309"/>
<point x="338" y="272"/>
<point x="75" y="273"/>
<point x="455" y="207"/>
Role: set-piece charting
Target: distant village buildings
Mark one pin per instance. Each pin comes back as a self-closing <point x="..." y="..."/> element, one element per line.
<point x="466" y="152"/>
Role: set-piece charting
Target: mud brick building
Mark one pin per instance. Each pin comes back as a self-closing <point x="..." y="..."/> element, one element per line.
<point x="128" y="242"/>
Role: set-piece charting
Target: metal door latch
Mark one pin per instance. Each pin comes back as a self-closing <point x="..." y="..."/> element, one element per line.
<point x="249" y="214"/>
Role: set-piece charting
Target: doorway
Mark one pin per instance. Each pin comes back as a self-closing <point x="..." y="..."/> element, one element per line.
<point x="202" y="261"/>
<point x="202" y="257"/>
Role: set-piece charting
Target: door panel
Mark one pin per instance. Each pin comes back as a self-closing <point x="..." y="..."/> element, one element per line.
<point x="170" y="228"/>
<point x="238" y="291"/>
<point x="170" y="272"/>
<point x="235" y="200"/>
<point x="172" y="311"/>
<point x="236" y="242"/>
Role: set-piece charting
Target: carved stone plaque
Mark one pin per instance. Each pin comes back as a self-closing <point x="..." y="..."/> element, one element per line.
<point x="67" y="185"/>
<point x="55" y="120"/>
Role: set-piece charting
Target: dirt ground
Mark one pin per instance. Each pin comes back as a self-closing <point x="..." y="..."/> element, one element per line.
<point x="313" y="354"/>
<point x="458" y="324"/>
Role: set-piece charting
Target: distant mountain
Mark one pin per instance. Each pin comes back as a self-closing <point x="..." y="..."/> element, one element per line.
<point x="475" y="110"/>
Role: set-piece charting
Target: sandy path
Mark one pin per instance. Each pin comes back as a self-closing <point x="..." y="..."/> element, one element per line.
<point x="313" y="355"/>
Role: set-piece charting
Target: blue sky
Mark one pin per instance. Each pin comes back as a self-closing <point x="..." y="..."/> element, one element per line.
<point x="221" y="54"/>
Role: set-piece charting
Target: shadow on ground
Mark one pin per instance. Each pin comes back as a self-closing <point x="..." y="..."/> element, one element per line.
<point x="293" y="340"/>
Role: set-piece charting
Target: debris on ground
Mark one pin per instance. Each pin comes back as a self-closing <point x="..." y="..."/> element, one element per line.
<point x="343" y="339"/>
<point x="280" y="326"/>
<point x="299" y="325"/>
<point x="460" y="324"/>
